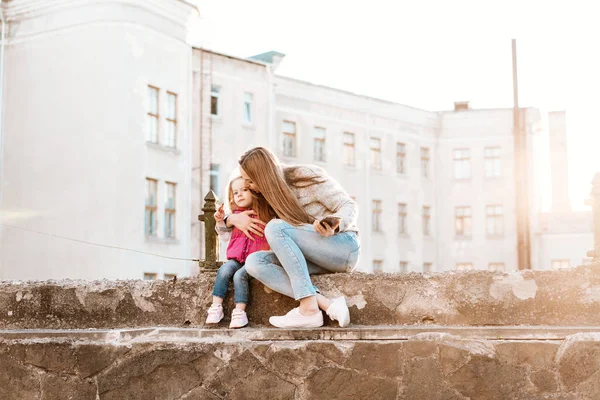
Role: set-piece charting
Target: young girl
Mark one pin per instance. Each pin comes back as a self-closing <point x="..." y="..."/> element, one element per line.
<point x="241" y="200"/>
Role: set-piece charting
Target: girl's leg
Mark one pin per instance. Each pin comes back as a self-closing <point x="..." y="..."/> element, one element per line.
<point x="224" y="275"/>
<point x="239" y="318"/>
<point x="241" y="288"/>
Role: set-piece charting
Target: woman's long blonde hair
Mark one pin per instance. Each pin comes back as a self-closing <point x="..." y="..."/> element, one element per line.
<point x="263" y="168"/>
<point x="259" y="204"/>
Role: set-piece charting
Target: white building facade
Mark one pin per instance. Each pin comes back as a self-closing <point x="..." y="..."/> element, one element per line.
<point x="96" y="139"/>
<point x="115" y="128"/>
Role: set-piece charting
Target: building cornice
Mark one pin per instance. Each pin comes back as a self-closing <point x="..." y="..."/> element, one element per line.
<point x="176" y="12"/>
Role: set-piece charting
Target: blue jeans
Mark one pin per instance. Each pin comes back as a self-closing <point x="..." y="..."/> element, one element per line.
<point x="298" y="252"/>
<point x="232" y="269"/>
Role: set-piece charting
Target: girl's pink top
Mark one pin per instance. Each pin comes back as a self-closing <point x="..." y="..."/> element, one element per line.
<point x="240" y="246"/>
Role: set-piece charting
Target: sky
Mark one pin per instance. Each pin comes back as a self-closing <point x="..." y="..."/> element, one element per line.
<point x="428" y="54"/>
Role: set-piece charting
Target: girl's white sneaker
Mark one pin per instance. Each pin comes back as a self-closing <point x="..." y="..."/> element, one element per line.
<point x="239" y="319"/>
<point x="215" y="314"/>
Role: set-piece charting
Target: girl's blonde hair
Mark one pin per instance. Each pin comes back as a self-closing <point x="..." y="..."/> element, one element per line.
<point x="260" y="206"/>
<point x="274" y="182"/>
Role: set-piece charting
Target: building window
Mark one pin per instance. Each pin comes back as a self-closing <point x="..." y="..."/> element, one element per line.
<point x="495" y="224"/>
<point x="149" y="276"/>
<point x="170" y="210"/>
<point x="403" y="266"/>
<point x="402" y="219"/>
<point x="560" y="264"/>
<point x="152" y="119"/>
<point x="319" y="144"/>
<point x="492" y="162"/>
<point x="426" y="220"/>
<point x="169" y="277"/>
<point x="496" y="266"/>
<point x="214" y="178"/>
<point x="171" y="136"/>
<point x="462" y="164"/>
<point x="215" y="101"/>
<point x="464" y="266"/>
<point x="248" y="97"/>
<point x="150" y="218"/>
<point x="289" y="139"/>
<point x="349" y="149"/>
<point x="463" y="221"/>
<point x="425" y="162"/>
<point x="375" y="144"/>
<point x="377" y="215"/>
<point x="427" y="267"/>
<point x="377" y="265"/>
<point x="400" y="158"/>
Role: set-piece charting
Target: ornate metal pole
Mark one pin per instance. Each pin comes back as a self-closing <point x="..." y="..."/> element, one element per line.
<point x="211" y="241"/>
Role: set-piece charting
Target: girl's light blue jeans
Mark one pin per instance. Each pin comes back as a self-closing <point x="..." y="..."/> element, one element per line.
<point x="232" y="270"/>
<point x="298" y="252"/>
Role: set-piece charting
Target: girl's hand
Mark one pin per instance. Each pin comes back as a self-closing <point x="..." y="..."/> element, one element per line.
<point x="326" y="230"/>
<point x="245" y="223"/>
<point x="220" y="214"/>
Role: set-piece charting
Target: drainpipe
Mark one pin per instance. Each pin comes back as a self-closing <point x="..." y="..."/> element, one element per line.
<point x="3" y="38"/>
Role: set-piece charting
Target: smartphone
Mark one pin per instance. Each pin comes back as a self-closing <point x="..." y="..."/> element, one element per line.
<point x="330" y="220"/>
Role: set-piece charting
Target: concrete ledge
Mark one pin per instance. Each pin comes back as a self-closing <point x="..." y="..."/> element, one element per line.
<point x="426" y="366"/>
<point x="555" y="298"/>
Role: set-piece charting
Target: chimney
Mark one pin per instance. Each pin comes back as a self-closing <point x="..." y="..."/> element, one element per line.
<point x="461" y="106"/>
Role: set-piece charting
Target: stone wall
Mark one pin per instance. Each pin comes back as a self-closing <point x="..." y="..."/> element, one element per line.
<point x="568" y="297"/>
<point x="427" y="366"/>
<point x="469" y="335"/>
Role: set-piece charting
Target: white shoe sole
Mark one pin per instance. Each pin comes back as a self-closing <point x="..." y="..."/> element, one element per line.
<point x="315" y="324"/>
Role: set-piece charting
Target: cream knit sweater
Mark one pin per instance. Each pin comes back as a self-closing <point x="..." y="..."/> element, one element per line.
<point x="325" y="199"/>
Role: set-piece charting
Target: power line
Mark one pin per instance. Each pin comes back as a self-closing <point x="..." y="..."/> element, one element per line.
<point x="97" y="244"/>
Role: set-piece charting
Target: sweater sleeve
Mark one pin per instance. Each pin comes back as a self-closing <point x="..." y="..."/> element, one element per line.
<point x="223" y="232"/>
<point x="333" y="197"/>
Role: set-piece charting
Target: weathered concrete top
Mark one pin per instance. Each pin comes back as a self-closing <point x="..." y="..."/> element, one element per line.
<point x="568" y="297"/>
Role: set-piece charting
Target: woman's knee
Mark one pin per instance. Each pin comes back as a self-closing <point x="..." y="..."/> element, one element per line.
<point x="254" y="262"/>
<point x="274" y="229"/>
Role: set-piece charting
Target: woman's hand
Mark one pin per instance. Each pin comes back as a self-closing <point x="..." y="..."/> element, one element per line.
<point x="325" y="229"/>
<point x="220" y="214"/>
<point x="245" y="223"/>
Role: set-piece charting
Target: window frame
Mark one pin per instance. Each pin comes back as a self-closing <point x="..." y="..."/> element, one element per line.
<point x="461" y="163"/>
<point x="152" y="116"/>
<point x="248" y="106"/>
<point x="376" y="212"/>
<point x="215" y="91"/>
<point x="427" y="221"/>
<point x="463" y="217"/>
<point x="290" y="137"/>
<point x="170" y="211"/>
<point x="496" y="218"/>
<point x="402" y="219"/>
<point x="171" y="121"/>
<point x="401" y="158"/>
<point x="321" y="143"/>
<point x="152" y="208"/>
<point x="375" y="152"/>
<point x="349" y="149"/>
<point x="495" y="160"/>
<point x="425" y="158"/>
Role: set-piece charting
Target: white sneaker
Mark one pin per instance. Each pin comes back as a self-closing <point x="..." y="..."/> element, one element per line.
<point x="239" y="319"/>
<point x="338" y="311"/>
<point x="294" y="319"/>
<point x="215" y="314"/>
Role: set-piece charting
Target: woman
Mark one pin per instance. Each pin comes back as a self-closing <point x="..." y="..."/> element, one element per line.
<point x="301" y="242"/>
